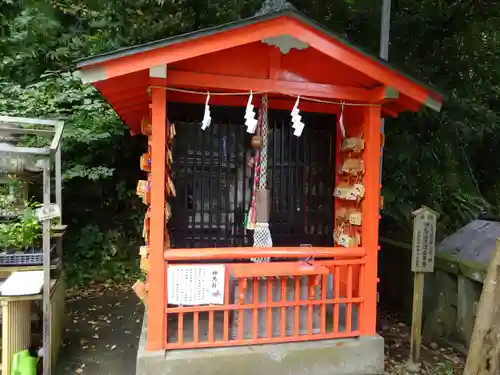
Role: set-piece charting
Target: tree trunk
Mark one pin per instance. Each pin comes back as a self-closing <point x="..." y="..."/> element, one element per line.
<point x="484" y="352"/>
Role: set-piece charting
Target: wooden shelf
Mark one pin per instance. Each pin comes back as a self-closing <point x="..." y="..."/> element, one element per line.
<point x="59" y="228"/>
<point x="16" y="323"/>
<point x="33" y="297"/>
<point x="275" y="269"/>
<point x="57" y="264"/>
<point x="58" y="231"/>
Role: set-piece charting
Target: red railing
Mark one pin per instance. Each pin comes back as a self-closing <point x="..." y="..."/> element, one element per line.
<point x="274" y="302"/>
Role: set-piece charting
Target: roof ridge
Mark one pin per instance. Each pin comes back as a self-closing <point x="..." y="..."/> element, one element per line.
<point x="270" y="6"/>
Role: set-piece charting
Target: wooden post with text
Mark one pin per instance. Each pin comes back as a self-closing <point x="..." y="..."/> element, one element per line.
<point x="422" y="261"/>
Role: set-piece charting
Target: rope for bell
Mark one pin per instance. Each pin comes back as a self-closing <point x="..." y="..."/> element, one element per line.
<point x="262" y="234"/>
<point x="263" y="151"/>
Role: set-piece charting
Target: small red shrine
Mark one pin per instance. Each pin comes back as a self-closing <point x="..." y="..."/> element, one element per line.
<point x="274" y="61"/>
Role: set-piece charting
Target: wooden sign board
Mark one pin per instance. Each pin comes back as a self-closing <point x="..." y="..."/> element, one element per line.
<point x="193" y="285"/>
<point x="48" y="212"/>
<point x="424" y="240"/>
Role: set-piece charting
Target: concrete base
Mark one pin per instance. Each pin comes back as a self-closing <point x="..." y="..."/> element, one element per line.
<point x="354" y="356"/>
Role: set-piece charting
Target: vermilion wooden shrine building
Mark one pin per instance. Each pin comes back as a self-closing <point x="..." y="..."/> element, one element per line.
<point x="324" y="204"/>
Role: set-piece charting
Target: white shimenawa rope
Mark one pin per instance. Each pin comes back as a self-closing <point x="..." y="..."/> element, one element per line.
<point x="262" y="234"/>
<point x="245" y="93"/>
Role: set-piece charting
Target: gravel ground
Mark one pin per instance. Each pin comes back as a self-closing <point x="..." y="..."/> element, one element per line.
<point x="104" y="325"/>
<point x="102" y="333"/>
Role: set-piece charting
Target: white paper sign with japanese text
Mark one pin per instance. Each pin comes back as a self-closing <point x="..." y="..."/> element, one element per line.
<point x="191" y="285"/>
<point x="48" y="212"/>
<point x="424" y="240"/>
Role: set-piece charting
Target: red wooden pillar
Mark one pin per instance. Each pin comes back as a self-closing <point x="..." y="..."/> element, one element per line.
<point x="371" y="203"/>
<point x="156" y="325"/>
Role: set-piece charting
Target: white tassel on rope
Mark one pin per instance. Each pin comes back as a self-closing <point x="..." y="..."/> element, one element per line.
<point x="250" y="120"/>
<point x="297" y="123"/>
<point x="205" y="123"/>
<point x="262" y="238"/>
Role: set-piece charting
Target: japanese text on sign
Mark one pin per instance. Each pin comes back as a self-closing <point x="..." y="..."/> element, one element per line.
<point x="196" y="284"/>
<point x="48" y="212"/>
<point x="424" y="238"/>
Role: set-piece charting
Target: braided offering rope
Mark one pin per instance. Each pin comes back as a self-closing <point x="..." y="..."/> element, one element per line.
<point x="262" y="234"/>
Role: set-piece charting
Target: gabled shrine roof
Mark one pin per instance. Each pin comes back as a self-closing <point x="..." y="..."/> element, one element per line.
<point x="368" y="71"/>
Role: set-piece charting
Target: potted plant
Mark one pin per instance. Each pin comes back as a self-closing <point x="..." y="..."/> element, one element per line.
<point x="21" y="234"/>
<point x="13" y="194"/>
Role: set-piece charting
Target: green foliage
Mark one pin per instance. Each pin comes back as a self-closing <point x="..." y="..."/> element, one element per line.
<point x="442" y="369"/>
<point x="21" y="234"/>
<point x="19" y="226"/>
<point x="92" y="244"/>
<point x="7" y="199"/>
<point x="39" y="40"/>
<point x="95" y="146"/>
<point x="445" y="161"/>
<point x="440" y="160"/>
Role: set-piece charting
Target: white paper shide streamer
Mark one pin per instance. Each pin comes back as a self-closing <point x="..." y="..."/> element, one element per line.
<point x="250" y="120"/>
<point x="297" y="123"/>
<point x="205" y="123"/>
<point x="341" y="121"/>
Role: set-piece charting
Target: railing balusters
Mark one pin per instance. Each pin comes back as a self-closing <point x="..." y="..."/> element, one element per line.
<point x="180" y="329"/>
<point x="336" y="297"/>
<point x="296" y="322"/>
<point x="323" y="305"/>
<point x="348" y="324"/>
<point x="196" y="329"/>
<point x="211" y="326"/>
<point x="310" y="319"/>
<point x="255" y="311"/>
<point x="283" y="309"/>
<point x="242" y="285"/>
<point x="362" y="311"/>
<point x="269" y="315"/>
<point x="227" y="288"/>
<point x="303" y="316"/>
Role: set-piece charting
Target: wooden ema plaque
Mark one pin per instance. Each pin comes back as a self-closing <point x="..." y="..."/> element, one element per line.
<point x="140" y="290"/>
<point x="349" y="192"/>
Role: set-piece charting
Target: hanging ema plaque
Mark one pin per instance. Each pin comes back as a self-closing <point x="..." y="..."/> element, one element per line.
<point x="424" y="240"/>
